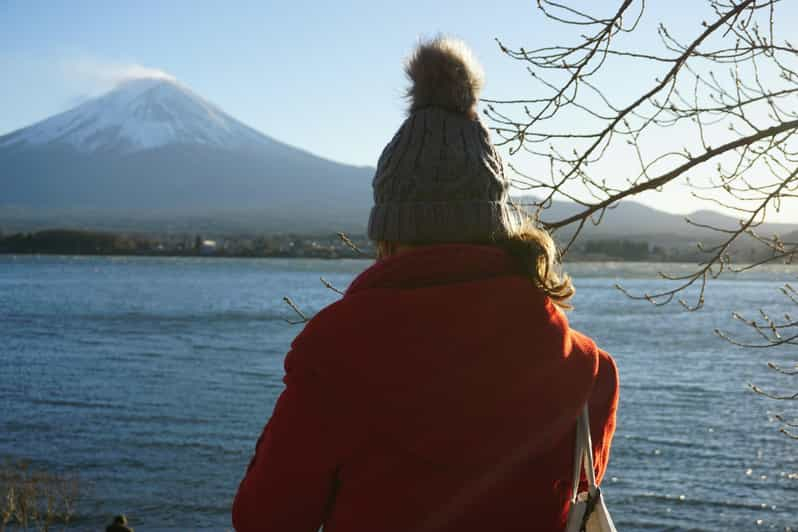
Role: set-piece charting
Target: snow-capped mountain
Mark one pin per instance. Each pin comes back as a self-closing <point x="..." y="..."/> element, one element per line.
<point x="154" y="145"/>
<point x="138" y="115"/>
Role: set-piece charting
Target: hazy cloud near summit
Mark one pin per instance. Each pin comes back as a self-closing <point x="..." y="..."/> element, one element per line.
<point x="96" y="75"/>
<point x="58" y="81"/>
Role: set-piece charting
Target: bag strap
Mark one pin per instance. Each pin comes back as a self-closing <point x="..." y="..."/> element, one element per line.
<point x="590" y="471"/>
<point x="583" y="455"/>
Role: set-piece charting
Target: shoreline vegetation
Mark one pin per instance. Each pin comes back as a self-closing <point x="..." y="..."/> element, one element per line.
<point x="85" y="242"/>
<point x="292" y="245"/>
<point x="35" y="499"/>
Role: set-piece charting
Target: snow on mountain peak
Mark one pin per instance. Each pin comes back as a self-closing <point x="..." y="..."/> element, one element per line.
<point x="139" y="114"/>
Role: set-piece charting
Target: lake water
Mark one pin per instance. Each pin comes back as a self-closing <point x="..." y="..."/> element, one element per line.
<point x="151" y="378"/>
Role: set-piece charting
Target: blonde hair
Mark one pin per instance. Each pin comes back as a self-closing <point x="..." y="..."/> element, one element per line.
<point x="536" y="253"/>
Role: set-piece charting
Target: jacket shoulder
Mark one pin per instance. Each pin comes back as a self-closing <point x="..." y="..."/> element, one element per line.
<point x="348" y="313"/>
<point x="340" y="327"/>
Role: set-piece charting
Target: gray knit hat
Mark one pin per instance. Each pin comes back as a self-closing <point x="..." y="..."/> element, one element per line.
<point x="440" y="178"/>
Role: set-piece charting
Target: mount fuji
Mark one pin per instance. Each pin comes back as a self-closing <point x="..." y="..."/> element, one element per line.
<point x="151" y="148"/>
<point x="153" y="155"/>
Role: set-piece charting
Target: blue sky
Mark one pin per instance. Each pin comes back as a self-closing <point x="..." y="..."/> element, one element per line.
<point x="322" y="75"/>
<point x="325" y="76"/>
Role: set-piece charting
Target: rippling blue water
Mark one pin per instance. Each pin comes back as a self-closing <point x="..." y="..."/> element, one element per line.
<point x="151" y="378"/>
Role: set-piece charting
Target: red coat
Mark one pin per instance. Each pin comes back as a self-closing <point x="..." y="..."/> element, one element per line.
<point x="440" y="393"/>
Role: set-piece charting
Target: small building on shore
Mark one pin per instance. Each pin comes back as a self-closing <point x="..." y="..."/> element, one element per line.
<point x="208" y="247"/>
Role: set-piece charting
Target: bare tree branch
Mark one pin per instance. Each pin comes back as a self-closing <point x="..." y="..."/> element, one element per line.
<point x="719" y="117"/>
<point x="303" y="318"/>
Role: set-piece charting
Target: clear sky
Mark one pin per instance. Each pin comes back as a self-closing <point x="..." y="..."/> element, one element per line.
<point x="324" y="76"/>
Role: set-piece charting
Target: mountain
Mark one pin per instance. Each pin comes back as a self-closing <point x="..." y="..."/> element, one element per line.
<point x="153" y="149"/>
<point x="152" y="155"/>
<point x="629" y="219"/>
<point x="139" y="115"/>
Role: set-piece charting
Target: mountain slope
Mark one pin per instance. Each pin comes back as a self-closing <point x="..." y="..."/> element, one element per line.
<point x="629" y="219"/>
<point x="153" y="145"/>
<point x="138" y="115"/>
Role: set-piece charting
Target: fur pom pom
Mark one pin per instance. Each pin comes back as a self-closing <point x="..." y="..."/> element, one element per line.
<point x="444" y="74"/>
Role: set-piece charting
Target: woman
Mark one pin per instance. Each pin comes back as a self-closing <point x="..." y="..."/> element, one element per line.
<point x="442" y="391"/>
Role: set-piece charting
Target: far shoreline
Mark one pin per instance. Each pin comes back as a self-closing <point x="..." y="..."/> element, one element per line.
<point x="603" y="261"/>
<point x="330" y="246"/>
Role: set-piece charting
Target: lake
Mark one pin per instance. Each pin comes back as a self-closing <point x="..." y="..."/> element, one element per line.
<point x="151" y="379"/>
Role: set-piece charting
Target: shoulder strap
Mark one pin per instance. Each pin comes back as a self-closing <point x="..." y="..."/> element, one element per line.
<point x="583" y="454"/>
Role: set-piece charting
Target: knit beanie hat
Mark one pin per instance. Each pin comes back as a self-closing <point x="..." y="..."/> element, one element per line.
<point x="440" y="179"/>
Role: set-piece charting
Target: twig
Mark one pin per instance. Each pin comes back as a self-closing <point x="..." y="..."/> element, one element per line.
<point x="351" y="245"/>
<point x="290" y="303"/>
<point x="327" y="283"/>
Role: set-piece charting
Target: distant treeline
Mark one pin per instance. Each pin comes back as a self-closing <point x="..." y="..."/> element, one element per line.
<point x="72" y="242"/>
<point x="328" y="246"/>
<point x="83" y="242"/>
<point x="623" y="249"/>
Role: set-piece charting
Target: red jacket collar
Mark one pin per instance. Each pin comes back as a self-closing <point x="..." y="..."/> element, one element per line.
<point x="435" y="265"/>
